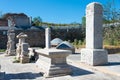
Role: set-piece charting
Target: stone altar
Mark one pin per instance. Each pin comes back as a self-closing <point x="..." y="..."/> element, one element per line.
<point x="52" y="62"/>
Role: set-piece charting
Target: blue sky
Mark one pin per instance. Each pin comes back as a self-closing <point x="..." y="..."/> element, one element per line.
<point x="55" y="11"/>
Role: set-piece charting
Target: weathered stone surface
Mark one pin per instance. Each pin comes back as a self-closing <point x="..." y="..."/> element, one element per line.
<point x="94" y="54"/>
<point x="11" y="43"/>
<point x="24" y="57"/>
<point x="22" y="49"/>
<point x="52" y="62"/>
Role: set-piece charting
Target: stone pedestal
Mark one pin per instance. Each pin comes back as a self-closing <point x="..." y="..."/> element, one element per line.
<point x="22" y="49"/>
<point x="52" y="62"/>
<point x="94" y="54"/>
<point x="24" y="59"/>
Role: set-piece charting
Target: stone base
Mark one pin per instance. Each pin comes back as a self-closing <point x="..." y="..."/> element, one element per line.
<point x="49" y="70"/>
<point x="52" y="62"/>
<point x="94" y="56"/>
<point x="10" y="53"/>
<point x="18" y="57"/>
<point x="2" y="75"/>
<point x="24" y="59"/>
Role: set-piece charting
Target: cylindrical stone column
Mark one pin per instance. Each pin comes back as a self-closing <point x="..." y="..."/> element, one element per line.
<point x="47" y="38"/>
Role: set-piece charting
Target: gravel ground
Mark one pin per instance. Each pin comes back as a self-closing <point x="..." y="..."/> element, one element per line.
<point x="29" y="71"/>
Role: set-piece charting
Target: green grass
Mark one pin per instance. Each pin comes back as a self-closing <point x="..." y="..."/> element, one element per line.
<point x="2" y="50"/>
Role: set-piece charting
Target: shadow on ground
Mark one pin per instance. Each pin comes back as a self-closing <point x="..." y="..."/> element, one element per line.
<point x="78" y="71"/>
<point x="2" y="52"/>
<point x="27" y="75"/>
<point x="112" y="64"/>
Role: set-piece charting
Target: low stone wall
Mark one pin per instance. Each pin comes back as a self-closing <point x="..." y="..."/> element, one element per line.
<point x="3" y="39"/>
<point x="36" y="38"/>
<point x="113" y="50"/>
<point x="69" y="34"/>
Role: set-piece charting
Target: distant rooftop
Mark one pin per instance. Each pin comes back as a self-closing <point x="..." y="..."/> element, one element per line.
<point x="5" y="16"/>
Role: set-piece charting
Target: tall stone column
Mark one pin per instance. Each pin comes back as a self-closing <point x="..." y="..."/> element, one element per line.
<point x="94" y="54"/>
<point x="47" y="38"/>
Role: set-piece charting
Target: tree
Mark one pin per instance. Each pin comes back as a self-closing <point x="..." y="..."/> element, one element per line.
<point x="37" y="21"/>
<point x="110" y="14"/>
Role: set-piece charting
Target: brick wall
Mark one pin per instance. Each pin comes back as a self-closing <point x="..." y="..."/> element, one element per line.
<point x="3" y="22"/>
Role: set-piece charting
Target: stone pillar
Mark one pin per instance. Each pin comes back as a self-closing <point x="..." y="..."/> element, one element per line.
<point x="11" y="36"/>
<point x="11" y="43"/>
<point x="47" y="38"/>
<point x="94" y="54"/>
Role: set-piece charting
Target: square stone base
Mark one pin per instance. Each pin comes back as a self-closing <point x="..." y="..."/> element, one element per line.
<point x="94" y="56"/>
<point x="24" y="59"/>
<point x="52" y="70"/>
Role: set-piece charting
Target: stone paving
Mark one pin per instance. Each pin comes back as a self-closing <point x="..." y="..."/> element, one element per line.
<point x="112" y="68"/>
<point x="29" y="71"/>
